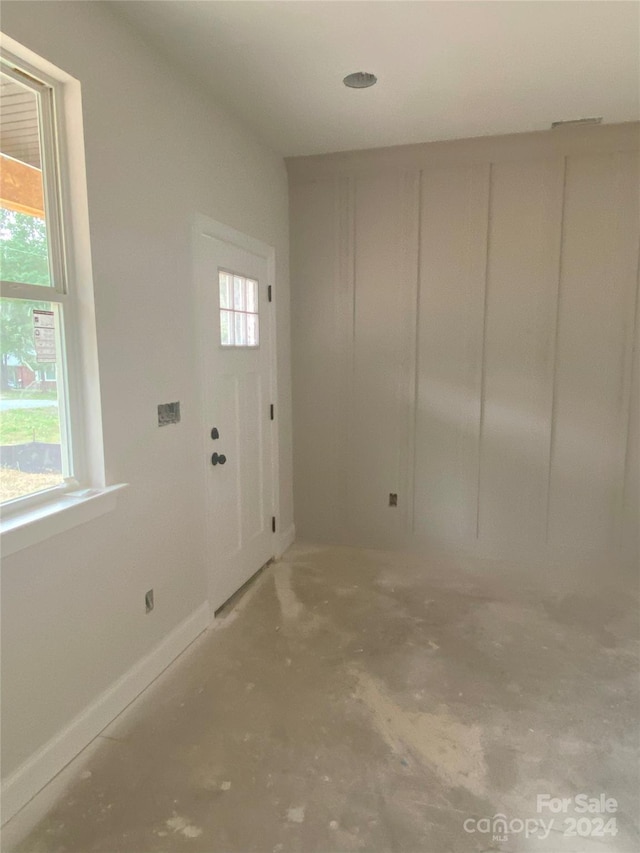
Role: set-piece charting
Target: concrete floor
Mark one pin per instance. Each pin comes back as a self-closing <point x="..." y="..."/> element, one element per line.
<point x="356" y="700"/>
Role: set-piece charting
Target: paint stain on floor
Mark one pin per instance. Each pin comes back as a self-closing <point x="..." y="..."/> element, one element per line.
<point x="180" y="824"/>
<point x="453" y="750"/>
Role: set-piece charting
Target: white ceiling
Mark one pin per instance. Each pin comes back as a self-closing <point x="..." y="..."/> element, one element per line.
<point x="446" y="69"/>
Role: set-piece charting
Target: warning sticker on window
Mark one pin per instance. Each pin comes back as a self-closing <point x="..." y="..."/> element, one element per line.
<point x="44" y="336"/>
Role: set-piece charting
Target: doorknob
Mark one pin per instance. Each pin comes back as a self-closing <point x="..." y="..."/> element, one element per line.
<point x="218" y="459"/>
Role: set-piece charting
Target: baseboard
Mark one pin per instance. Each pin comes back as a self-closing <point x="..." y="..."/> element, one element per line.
<point x="286" y="539"/>
<point x="48" y="761"/>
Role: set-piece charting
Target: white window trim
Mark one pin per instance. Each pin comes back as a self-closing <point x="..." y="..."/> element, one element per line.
<point x="33" y="518"/>
<point x="49" y="518"/>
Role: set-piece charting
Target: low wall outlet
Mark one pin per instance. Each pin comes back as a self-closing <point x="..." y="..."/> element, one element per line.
<point x="148" y="601"/>
<point x="393" y="499"/>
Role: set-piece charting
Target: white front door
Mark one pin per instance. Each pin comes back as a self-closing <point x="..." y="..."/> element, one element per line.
<point x="236" y="339"/>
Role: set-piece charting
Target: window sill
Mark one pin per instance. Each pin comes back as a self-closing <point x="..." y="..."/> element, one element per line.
<point x="38" y="523"/>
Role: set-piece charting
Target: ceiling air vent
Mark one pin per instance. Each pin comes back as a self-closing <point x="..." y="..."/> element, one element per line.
<point x="574" y="121"/>
<point x="360" y="80"/>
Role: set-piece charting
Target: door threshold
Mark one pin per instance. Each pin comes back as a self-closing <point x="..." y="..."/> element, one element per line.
<point x="239" y="594"/>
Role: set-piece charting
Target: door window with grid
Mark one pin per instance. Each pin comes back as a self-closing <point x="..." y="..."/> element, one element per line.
<point x="239" y="314"/>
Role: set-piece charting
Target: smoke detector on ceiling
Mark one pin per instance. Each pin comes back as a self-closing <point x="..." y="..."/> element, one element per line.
<point x="360" y="80"/>
<point x="568" y="121"/>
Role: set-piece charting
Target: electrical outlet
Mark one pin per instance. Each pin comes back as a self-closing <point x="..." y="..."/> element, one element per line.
<point x="393" y="499"/>
<point x="148" y="601"/>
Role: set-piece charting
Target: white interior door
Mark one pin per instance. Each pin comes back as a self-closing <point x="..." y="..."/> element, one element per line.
<point x="236" y="338"/>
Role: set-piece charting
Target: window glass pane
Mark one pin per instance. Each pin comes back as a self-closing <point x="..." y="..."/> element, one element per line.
<point x="30" y="402"/>
<point x="24" y="252"/>
<point x="252" y="296"/>
<point x="238" y="293"/>
<point x="225" y="290"/>
<point x="226" y="328"/>
<point x="252" y="330"/>
<point x="239" y="325"/>
<point x="240" y="329"/>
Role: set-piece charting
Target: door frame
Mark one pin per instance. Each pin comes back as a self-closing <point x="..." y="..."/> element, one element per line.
<point x="203" y="227"/>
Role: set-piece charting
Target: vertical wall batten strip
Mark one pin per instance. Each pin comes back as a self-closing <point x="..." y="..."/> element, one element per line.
<point x="401" y="240"/>
<point x="629" y="338"/>
<point x="408" y="397"/>
<point x="351" y="214"/>
<point x="338" y="289"/>
<point x="627" y="496"/>
<point x="554" y="353"/>
<point x="479" y="189"/>
<point x="343" y="331"/>
<point x="483" y="349"/>
<point x="411" y="482"/>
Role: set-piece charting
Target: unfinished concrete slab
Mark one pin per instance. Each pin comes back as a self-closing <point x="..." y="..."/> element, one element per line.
<point x="358" y="700"/>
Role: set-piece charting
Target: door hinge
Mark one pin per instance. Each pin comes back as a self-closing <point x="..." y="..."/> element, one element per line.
<point x="273" y="524"/>
<point x="269" y="294"/>
<point x="272" y="411"/>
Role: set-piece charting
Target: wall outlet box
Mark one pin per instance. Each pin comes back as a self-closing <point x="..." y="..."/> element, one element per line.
<point x="168" y="413"/>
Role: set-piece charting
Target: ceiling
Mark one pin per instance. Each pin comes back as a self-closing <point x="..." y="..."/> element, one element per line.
<point x="446" y="69"/>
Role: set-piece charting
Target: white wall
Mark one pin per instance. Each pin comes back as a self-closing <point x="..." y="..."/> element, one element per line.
<point x="463" y="321"/>
<point x="158" y="151"/>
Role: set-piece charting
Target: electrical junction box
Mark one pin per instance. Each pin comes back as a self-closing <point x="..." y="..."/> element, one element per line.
<point x="168" y="413"/>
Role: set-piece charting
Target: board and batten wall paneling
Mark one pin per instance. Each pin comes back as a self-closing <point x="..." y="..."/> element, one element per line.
<point x="453" y="250"/>
<point x="595" y="332"/>
<point x="519" y="332"/>
<point x="481" y="359"/>
<point x="321" y="215"/>
<point x="381" y="396"/>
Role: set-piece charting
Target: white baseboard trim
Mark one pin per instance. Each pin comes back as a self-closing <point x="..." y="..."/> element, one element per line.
<point x="286" y="539"/>
<point x="48" y="761"/>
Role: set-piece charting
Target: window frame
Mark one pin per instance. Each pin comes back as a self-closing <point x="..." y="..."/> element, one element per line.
<point x="233" y="311"/>
<point x="71" y="287"/>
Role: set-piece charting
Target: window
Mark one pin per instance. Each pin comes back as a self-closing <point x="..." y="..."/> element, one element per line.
<point x="42" y="438"/>
<point x="239" y="320"/>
